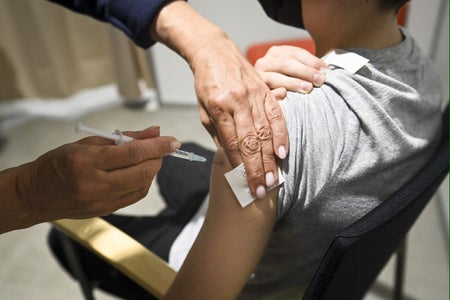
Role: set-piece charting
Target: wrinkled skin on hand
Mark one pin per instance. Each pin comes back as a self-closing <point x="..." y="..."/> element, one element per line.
<point x="92" y="176"/>
<point x="239" y="112"/>
<point x="238" y="103"/>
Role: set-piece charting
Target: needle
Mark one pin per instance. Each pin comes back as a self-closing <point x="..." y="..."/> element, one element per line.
<point x="119" y="138"/>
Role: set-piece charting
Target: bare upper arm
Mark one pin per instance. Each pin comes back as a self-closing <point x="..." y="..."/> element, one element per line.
<point x="230" y="243"/>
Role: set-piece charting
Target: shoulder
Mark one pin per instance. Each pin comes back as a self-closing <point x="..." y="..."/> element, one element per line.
<point x="318" y="125"/>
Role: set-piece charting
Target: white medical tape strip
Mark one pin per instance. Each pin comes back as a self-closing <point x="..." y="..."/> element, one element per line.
<point x="349" y="61"/>
<point x="237" y="179"/>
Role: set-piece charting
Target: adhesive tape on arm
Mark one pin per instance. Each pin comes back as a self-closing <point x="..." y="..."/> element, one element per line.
<point x="237" y="179"/>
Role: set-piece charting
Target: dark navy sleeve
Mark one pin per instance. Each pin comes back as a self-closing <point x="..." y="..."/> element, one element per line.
<point x="133" y="17"/>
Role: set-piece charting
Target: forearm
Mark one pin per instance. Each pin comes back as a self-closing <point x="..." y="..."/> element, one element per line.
<point x="14" y="214"/>
<point x="229" y="245"/>
<point x="184" y="30"/>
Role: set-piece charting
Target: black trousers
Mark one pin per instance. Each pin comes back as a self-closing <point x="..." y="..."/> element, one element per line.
<point x="183" y="186"/>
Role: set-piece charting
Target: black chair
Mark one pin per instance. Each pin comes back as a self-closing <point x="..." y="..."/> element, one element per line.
<point x="356" y="255"/>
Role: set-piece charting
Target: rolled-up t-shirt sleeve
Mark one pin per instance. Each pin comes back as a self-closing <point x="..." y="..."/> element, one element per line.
<point x="132" y="17"/>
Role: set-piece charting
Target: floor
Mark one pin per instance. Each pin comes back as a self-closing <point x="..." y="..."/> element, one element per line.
<point x="28" y="271"/>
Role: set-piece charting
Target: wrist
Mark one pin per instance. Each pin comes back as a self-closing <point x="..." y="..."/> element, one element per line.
<point x="14" y="214"/>
<point x="184" y="30"/>
<point x="26" y="193"/>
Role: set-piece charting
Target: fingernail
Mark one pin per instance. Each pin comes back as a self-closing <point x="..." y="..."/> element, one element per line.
<point x="154" y="127"/>
<point x="174" y="145"/>
<point x="270" y="179"/>
<point x="260" y="192"/>
<point x="281" y="152"/>
<point x="306" y="87"/>
<point x="318" y="79"/>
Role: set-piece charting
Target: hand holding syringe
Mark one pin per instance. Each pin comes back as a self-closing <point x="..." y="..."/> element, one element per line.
<point x="119" y="138"/>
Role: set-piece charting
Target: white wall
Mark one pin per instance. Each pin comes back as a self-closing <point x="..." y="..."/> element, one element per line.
<point x="428" y="24"/>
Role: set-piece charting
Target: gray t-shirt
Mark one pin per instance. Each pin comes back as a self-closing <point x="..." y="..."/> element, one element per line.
<point x="353" y="142"/>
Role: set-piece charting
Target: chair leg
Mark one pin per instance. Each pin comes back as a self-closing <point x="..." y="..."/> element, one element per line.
<point x="75" y="266"/>
<point x="400" y="271"/>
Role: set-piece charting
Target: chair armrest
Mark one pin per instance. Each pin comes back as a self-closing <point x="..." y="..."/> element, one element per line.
<point x="121" y="251"/>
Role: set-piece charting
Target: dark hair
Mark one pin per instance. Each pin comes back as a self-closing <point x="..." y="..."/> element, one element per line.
<point x="392" y="4"/>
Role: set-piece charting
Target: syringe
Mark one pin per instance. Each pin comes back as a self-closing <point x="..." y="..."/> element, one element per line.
<point x="119" y="138"/>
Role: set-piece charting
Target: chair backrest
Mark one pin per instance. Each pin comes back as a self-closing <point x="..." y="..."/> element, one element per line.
<point x="402" y="15"/>
<point x="356" y="255"/>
